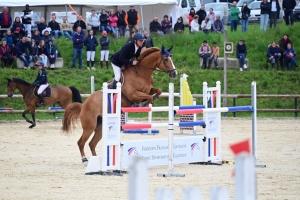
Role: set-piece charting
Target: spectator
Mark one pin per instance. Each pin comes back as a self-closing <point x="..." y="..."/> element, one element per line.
<point x="166" y="25"/>
<point x="214" y="56"/>
<point x="5" y="18"/>
<point x="206" y="25"/>
<point x="82" y="25"/>
<point x="10" y="42"/>
<point x="273" y="54"/>
<point x="179" y="26"/>
<point x="130" y="39"/>
<point x="155" y="27"/>
<point x="265" y="10"/>
<point x="42" y="26"/>
<point x="212" y="18"/>
<point x="204" y="52"/>
<point x="66" y="28"/>
<point x="241" y="53"/>
<point x="34" y="51"/>
<point x="51" y="52"/>
<point x="23" y="51"/>
<point x="18" y="24"/>
<point x="195" y="25"/>
<point x="42" y="52"/>
<point x="191" y="17"/>
<point x="17" y="36"/>
<point x="36" y="37"/>
<point x="289" y="55"/>
<point x="91" y="43"/>
<point x="46" y="37"/>
<point x="121" y="21"/>
<point x="218" y="25"/>
<point x="283" y="46"/>
<point x="26" y="19"/>
<point x="55" y="28"/>
<point x="245" y="15"/>
<point x="288" y="7"/>
<point x="148" y="42"/>
<point x="275" y="12"/>
<point x="93" y="21"/>
<point x="113" y="19"/>
<point x="78" y="41"/>
<point x="234" y="16"/>
<point x="104" y="20"/>
<point x="5" y="54"/>
<point x="201" y="14"/>
<point x="132" y="18"/>
<point x="104" y="52"/>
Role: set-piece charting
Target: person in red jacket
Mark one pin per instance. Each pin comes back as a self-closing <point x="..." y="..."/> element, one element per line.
<point x="5" y="54"/>
<point x="191" y="17"/>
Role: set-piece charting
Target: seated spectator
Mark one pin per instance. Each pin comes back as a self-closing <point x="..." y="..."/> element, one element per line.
<point x="91" y="43"/>
<point x="23" y="51"/>
<point x="214" y="56"/>
<point x="283" y="46"/>
<point x="55" y="28"/>
<point x="17" y="36"/>
<point x="104" y="21"/>
<point x="51" y="52"/>
<point x="212" y="17"/>
<point x="179" y="26"/>
<point x="218" y="25"/>
<point x="36" y="37"/>
<point x="113" y="19"/>
<point x="195" y="25"/>
<point x="34" y="51"/>
<point x="66" y="28"/>
<point x="241" y="53"/>
<point x="42" y="26"/>
<point x="273" y="54"/>
<point x="206" y="25"/>
<point x="46" y="37"/>
<point x="155" y="27"/>
<point x="10" y="42"/>
<point x="290" y="55"/>
<point x="5" y="54"/>
<point x="148" y="42"/>
<point x="42" y="52"/>
<point x="166" y="25"/>
<point x="204" y="52"/>
<point x="5" y="20"/>
<point x="130" y="39"/>
<point x="18" y="24"/>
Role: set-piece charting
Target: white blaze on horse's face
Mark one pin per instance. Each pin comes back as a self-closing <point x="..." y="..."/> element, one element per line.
<point x="174" y="68"/>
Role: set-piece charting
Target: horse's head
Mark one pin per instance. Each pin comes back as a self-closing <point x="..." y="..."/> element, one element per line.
<point x="11" y="86"/>
<point x="166" y="64"/>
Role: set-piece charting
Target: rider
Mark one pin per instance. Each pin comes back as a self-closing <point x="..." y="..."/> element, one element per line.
<point x="125" y="56"/>
<point x="41" y="80"/>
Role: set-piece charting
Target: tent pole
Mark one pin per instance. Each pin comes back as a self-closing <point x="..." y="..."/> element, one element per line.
<point x="142" y="16"/>
<point x="66" y="7"/>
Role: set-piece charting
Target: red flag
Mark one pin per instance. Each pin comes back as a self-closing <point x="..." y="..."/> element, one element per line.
<point x="243" y="146"/>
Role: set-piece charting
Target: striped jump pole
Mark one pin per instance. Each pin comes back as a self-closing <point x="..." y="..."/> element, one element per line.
<point x="5" y="108"/>
<point x="55" y="108"/>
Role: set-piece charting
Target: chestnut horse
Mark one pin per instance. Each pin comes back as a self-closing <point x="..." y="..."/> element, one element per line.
<point x="61" y="95"/>
<point x="137" y="87"/>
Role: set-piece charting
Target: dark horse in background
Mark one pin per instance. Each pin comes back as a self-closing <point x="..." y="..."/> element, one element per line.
<point x="137" y="87"/>
<point x="62" y="95"/>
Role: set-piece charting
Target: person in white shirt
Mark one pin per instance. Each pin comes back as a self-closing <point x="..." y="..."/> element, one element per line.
<point x="26" y="19"/>
<point x="206" y="25"/>
<point x="93" y="21"/>
<point x="194" y="24"/>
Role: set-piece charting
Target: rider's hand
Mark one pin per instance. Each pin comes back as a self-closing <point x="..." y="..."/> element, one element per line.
<point x="134" y="62"/>
<point x="34" y="83"/>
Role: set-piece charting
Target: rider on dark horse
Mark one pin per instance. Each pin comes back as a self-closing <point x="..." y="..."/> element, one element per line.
<point x="125" y="55"/>
<point x="41" y="80"/>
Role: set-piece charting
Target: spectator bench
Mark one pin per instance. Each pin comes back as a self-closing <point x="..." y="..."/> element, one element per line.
<point x="59" y="63"/>
<point x="232" y="63"/>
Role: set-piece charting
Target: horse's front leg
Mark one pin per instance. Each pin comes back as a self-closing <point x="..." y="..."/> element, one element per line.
<point x="156" y="91"/>
<point x="138" y="97"/>
<point x="24" y="116"/>
<point x="33" y="120"/>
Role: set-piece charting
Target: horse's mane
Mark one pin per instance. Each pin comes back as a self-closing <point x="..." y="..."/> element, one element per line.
<point x="147" y="52"/>
<point x="21" y="81"/>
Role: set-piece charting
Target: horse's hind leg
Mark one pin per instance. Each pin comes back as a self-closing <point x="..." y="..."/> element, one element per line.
<point x="97" y="136"/>
<point x="81" y="142"/>
<point x="28" y="120"/>
<point x="33" y="120"/>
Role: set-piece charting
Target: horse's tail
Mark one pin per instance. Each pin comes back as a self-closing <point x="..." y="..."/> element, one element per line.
<point x="70" y="118"/>
<point x="75" y="94"/>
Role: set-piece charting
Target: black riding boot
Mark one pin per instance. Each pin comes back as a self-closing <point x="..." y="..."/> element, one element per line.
<point x="41" y="100"/>
<point x="114" y="84"/>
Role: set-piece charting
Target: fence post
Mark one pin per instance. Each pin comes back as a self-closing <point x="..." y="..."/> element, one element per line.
<point x="234" y="104"/>
<point x="296" y="107"/>
<point x="191" y="193"/>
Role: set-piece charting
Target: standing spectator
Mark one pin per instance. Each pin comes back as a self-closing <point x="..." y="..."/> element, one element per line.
<point x="91" y="43"/>
<point x="218" y="25"/>
<point x="66" y="28"/>
<point x="55" y="28"/>
<point x="82" y="25"/>
<point x="51" y="52"/>
<point x="42" y="52"/>
<point x="10" y="42"/>
<point x="241" y="53"/>
<point x="148" y="42"/>
<point x="34" y="51"/>
<point x="132" y="18"/>
<point x="265" y="10"/>
<point x="23" y="51"/>
<point x="214" y="56"/>
<point x="36" y="37"/>
<point x="5" y="54"/>
<point x="5" y="19"/>
<point x="18" y="24"/>
<point x="275" y="12"/>
<point x="206" y="25"/>
<point x="121" y="14"/>
<point x="204" y="52"/>
<point x="26" y="19"/>
<point x="104" y="21"/>
<point x="283" y="46"/>
<point x="191" y="17"/>
<point x="201" y="14"/>
<point x="78" y="41"/>
<point x="113" y="19"/>
<point x="289" y="55"/>
<point x="166" y="25"/>
<point x="212" y="18"/>
<point x="179" y="26"/>
<point x="93" y="21"/>
<point x="288" y="7"/>
<point x="42" y="26"/>
<point x="130" y="39"/>
<point x="155" y="27"/>
<point x="245" y="15"/>
<point x="273" y="54"/>
<point x="17" y="36"/>
<point x="104" y="52"/>
<point x="234" y="16"/>
<point x="46" y="37"/>
<point x="195" y="25"/>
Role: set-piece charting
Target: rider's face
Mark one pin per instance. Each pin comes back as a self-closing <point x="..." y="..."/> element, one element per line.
<point x="140" y="42"/>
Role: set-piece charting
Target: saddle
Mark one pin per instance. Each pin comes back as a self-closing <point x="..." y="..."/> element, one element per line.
<point x="46" y="93"/>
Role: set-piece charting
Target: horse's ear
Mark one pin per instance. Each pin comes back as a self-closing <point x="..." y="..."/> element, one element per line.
<point x="162" y="51"/>
<point x="9" y="79"/>
<point x="170" y="49"/>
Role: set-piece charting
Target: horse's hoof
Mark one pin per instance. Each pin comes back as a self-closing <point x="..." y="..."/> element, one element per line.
<point x="84" y="160"/>
<point x="33" y="125"/>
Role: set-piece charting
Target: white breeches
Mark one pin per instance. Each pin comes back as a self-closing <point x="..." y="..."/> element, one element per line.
<point x="90" y="55"/>
<point x="117" y="72"/>
<point x="42" y="88"/>
<point x="28" y="28"/>
<point x="104" y="53"/>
